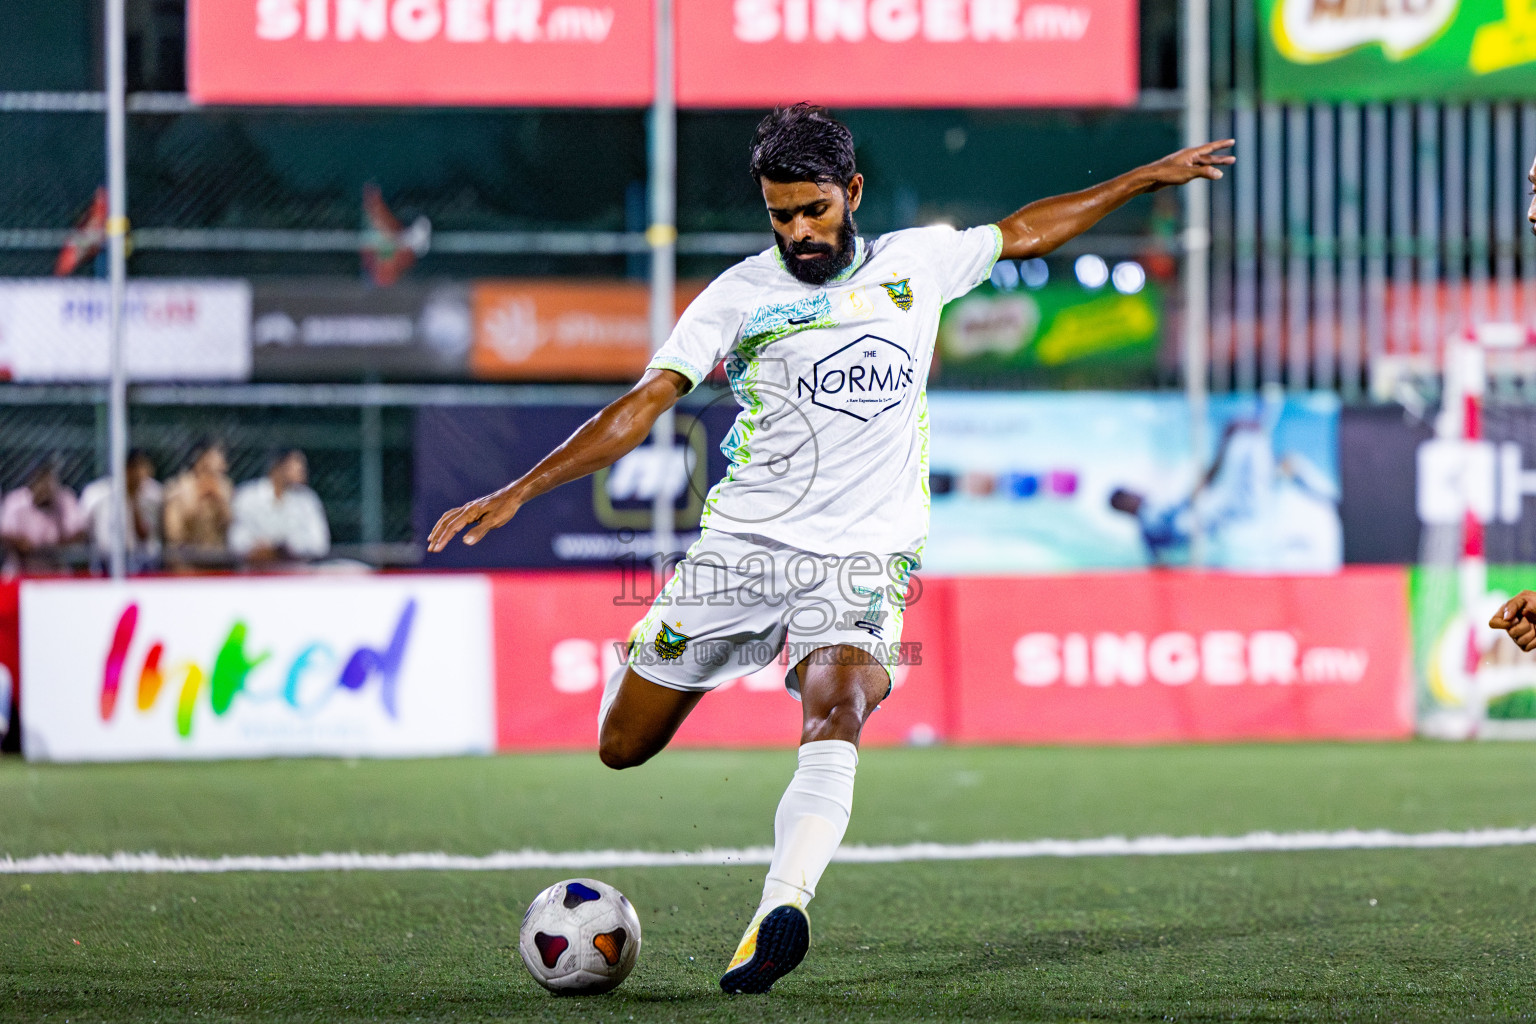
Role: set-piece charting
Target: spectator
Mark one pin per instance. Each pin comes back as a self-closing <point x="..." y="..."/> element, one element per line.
<point x="277" y="517"/>
<point x="146" y="498"/>
<point x="197" y="509"/>
<point x="37" y="520"/>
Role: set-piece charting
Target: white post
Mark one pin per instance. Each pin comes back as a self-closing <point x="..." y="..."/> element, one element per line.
<point x="662" y="238"/>
<point x="117" y="231"/>
<point x="1197" y="245"/>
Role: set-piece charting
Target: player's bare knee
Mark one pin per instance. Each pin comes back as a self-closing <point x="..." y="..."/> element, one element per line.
<point x="841" y="721"/>
<point x="618" y="751"/>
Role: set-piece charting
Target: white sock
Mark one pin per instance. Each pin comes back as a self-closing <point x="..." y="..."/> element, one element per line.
<point x="811" y="820"/>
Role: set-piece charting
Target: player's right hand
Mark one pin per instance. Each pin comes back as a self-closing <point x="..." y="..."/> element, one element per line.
<point x="482" y="516"/>
<point x="1518" y="619"/>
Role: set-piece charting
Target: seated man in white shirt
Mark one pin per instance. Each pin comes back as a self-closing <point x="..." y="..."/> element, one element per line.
<point x="277" y="518"/>
<point x="146" y="498"/>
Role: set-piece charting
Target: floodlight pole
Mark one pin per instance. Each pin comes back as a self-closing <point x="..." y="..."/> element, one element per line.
<point x="1197" y="248"/>
<point x="661" y="235"/>
<point x="117" y="232"/>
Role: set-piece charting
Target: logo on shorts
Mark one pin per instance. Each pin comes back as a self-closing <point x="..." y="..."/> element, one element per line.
<point x="873" y="619"/>
<point x="900" y="293"/>
<point x="670" y="644"/>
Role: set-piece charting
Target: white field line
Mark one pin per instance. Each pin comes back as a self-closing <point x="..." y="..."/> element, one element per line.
<point x="577" y="860"/>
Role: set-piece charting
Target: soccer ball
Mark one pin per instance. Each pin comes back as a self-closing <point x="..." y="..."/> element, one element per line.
<point x="580" y="936"/>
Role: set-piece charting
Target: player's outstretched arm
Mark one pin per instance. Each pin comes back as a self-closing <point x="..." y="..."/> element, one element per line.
<point x="601" y="441"/>
<point x="1518" y="619"/>
<point x="1044" y="225"/>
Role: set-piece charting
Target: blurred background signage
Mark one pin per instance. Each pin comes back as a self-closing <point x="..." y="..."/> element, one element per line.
<point x="563" y="330"/>
<point x="345" y="330"/>
<point x="874" y="53"/>
<point x="1057" y="334"/>
<point x="1060" y="482"/>
<point x="56" y="330"/>
<point x="890" y="53"/>
<point x="1440" y="49"/>
<point x="426" y="52"/>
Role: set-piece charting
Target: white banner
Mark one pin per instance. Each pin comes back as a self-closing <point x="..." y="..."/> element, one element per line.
<point x="395" y="666"/>
<point x="56" y="330"/>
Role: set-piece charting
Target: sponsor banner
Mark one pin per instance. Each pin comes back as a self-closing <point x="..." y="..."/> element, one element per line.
<point x="420" y="52"/>
<point x="1434" y="49"/>
<point x="56" y="330"/>
<point x="1182" y="657"/>
<point x="463" y="452"/>
<point x="307" y="330"/>
<point x="10" y="663"/>
<point x="1403" y="488"/>
<point x="1057" y="333"/>
<point x="1471" y="680"/>
<point x="899" y="53"/>
<point x="564" y="330"/>
<point x="1378" y="449"/>
<point x="559" y="636"/>
<point x="383" y="666"/>
<point x="1059" y="482"/>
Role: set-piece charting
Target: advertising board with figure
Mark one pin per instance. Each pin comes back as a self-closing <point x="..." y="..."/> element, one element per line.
<point x="1056" y="482"/>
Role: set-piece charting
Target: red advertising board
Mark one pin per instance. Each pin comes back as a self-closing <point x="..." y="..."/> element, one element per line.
<point x="1124" y="658"/>
<point x="420" y="52"/>
<point x="1165" y="657"/>
<point x="557" y="637"/>
<point x="10" y="649"/>
<point x="896" y="53"/>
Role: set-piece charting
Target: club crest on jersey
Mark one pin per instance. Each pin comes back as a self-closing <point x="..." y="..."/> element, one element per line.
<point x="900" y="293"/>
<point x="670" y="644"/>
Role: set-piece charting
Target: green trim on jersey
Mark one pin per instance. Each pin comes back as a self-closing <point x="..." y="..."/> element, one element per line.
<point x="676" y="365"/>
<point x="741" y="370"/>
<point x="922" y="469"/>
<point x="860" y="252"/>
<point x="997" y="251"/>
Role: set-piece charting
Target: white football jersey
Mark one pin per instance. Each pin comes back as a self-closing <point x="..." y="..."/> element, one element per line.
<point x="829" y="453"/>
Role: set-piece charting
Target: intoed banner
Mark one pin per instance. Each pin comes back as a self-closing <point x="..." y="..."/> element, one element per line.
<point x="162" y="669"/>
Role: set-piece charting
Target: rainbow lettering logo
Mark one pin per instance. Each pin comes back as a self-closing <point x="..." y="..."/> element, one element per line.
<point x="232" y="667"/>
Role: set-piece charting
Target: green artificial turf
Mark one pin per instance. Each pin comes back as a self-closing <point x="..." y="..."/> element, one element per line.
<point x="1397" y="935"/>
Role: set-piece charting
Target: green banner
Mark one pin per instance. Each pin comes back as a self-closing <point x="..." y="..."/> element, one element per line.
<point x="1471" y="679"/>
<point x="1397" y="49"/>
<point x="1061" y="334"/>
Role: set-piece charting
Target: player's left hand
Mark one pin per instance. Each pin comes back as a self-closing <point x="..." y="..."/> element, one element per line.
<point x="482" y="516"/>
<point x="1518" y="619"/>
<point x="1204" y="161"/>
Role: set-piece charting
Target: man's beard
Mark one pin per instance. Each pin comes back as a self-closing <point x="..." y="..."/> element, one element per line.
<point x="834" y="261"/>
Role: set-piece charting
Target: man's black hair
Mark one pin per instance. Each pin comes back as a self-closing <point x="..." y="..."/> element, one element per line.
<point x="802" y="143"/>
<point x="43" y="465"/>
<point x="277" y="456"/>
<point x="202" y="447"/>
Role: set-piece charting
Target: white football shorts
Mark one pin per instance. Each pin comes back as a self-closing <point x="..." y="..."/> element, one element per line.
<point x="737" y="601"/>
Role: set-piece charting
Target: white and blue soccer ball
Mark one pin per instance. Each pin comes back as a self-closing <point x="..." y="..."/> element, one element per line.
<point x="580" y="937"/>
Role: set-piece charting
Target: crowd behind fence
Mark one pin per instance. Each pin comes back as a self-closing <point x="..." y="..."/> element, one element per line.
<point x="1350" y="240"/>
